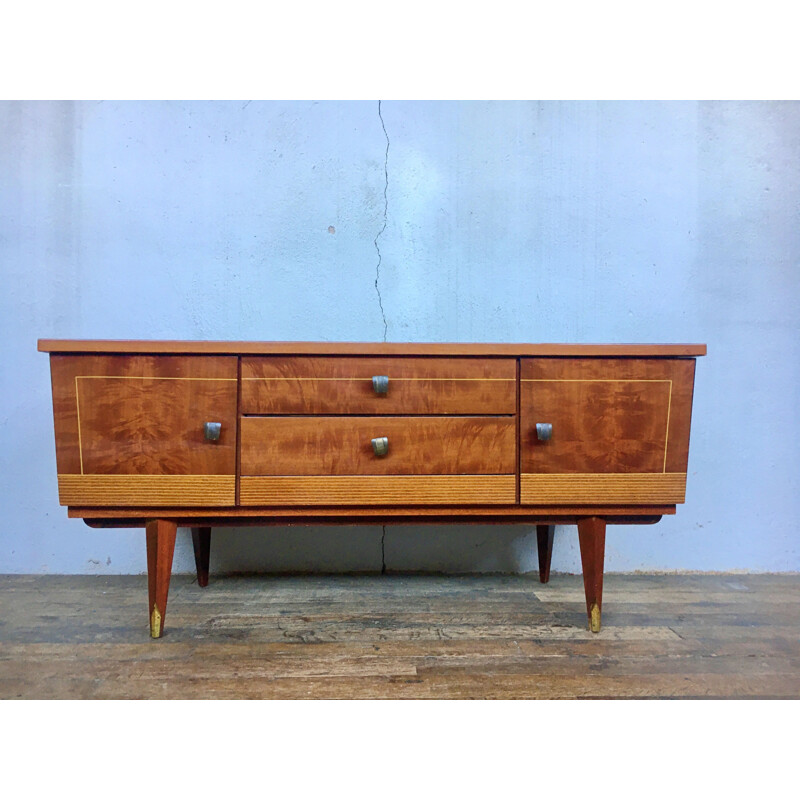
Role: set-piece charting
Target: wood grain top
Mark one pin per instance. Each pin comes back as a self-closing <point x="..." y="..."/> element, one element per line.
<point x="369" y="348"/>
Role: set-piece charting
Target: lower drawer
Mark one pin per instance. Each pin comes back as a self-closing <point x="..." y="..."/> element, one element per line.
<point x="343" y="445"/>
<point x="330" y="461"/>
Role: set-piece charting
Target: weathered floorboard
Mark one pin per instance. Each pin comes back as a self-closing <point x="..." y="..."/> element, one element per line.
<point x="402" y="636"/>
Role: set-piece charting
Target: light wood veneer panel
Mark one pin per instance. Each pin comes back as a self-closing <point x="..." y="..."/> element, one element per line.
<point x="574" y="488"/>
<point x="147" y="490"/>
<point x="308" y="385"/>
<point x="378" y="490"/>
<point x="342" y="445"/>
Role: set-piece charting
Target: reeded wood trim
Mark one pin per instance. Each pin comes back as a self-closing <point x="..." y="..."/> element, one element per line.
<point x="380" y="490"/>
<point x="656" y="487"/>
<point x="368" y="348"/>
<point x="147" y="490"/>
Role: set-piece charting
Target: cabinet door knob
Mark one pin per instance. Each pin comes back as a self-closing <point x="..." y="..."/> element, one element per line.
<point x="380" y="383"/>
<point x="380" y="446"/>
<point x="544" y="430"/>
<point x="212" y="430"/>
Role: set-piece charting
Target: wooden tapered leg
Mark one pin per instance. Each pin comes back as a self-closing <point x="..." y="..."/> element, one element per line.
<point x="160" y="549"/>
<point x="592" y="537"/>
<point x="544" y="535"/>
<point x="201" y="539"/>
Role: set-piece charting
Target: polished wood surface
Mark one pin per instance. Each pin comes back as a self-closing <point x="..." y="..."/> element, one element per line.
<point x="368" y="348"/>
<point x="160" y="537"/>
<point x="608" y="415"/>
<point x="377" y="490"/>
<point x="343" y="445"/>
<point x="400" y="636"/>
<point x="307" y="385"/>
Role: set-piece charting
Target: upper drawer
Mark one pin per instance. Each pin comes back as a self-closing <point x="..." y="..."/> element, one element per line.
<point x="334" y="385"/>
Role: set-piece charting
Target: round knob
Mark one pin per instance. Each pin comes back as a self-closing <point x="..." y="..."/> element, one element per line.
<point x="380" y="446"/>
<point x="380" y="383"/>
<point x="544" y="430"/>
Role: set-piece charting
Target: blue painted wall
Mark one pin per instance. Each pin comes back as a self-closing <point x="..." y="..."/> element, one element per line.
<point x="501" y="221"/>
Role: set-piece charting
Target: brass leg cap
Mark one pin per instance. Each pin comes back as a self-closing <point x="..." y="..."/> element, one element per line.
<point x="156" y="626"/>
<point x="594" y="619"/>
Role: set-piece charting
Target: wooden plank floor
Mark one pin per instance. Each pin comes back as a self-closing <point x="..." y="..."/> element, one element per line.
<point x="401" y="636"/>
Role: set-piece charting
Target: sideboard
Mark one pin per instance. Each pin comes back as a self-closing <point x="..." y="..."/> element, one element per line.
<point x="162" y="434"/>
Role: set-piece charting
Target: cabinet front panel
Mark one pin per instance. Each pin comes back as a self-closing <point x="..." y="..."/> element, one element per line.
<point x="343" y="445"/>
<point x="130" y="429"/>
<point x="620" y="429"/>
<point x="330" y="385"/>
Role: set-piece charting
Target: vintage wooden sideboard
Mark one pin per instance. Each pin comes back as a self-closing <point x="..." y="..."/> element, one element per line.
<point x="162" y="434"/>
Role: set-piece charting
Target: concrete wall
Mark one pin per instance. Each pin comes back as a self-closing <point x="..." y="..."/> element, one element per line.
<point x="501" y="221"/>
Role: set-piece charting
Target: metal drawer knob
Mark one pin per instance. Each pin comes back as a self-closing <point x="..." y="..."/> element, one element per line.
<point x="544" y="430"/>
<point x="212" y="430"/>
<point x="380" y="446"/>
<point x="380" y="383"/>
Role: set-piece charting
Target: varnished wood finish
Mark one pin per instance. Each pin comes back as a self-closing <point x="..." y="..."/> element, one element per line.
<point x="377" y="490"/>
<point x="308" y="385"/>
<point x="336" y="515"/>
<point x="160" y="536"/>
<point x="343" y="445"/>
<point x="608" y="415"/>
<point x="721" y="636"/>
<point x="544" y="541"/>
<point x="592" y="538"/>
<point x="370" y="348"/>
<point x="141" y="416"/>
<point x="612" y="488"/>
<point x="147" y="490"/>
<point x="201" y="543"/>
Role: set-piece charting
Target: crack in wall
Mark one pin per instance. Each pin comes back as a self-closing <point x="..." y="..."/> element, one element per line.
<point x="385" y="220"/>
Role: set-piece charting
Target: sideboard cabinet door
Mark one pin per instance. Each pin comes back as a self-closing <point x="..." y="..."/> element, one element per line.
<point x="610" y="430"/>
<point x="145" y="431"/>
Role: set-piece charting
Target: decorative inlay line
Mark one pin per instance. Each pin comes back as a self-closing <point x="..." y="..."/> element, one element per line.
<point x="628" y="487"/>
<point x="361" y="490"/>
<point x="369" y="378"/>
<point x="666" y="439"/>
<point x="149" y="378"/>
<point x="78" y="412"/>
<point x="146" y="490"/>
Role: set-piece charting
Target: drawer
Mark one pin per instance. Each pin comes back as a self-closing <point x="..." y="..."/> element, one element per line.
<point x="329" y="461"/>
<point x="344" y="385"/>
<point x="343" y="445"/>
